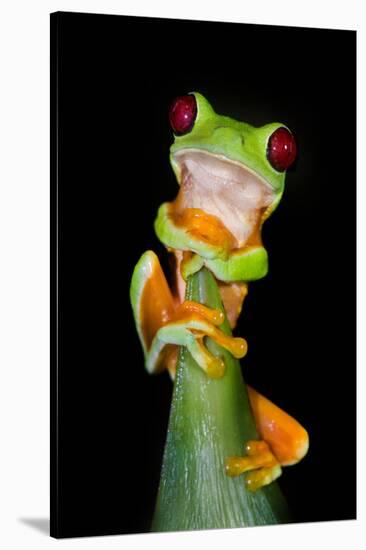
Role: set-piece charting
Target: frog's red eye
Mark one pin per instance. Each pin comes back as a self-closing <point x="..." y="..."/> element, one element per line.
<point x="182" y="114"/>
<point x="281" y="150"/>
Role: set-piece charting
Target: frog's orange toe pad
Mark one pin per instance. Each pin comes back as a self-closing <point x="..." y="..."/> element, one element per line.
<point x="264" y="476"/>
<point x="259" y="462"/>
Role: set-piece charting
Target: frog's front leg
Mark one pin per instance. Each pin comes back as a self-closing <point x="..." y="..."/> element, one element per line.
<point x="162" y="322"/>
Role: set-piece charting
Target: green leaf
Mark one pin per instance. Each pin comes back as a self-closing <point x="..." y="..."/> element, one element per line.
<point x="209" y="421"/>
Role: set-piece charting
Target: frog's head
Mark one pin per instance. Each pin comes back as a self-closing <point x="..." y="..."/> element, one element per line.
<point x="228" y="168"/>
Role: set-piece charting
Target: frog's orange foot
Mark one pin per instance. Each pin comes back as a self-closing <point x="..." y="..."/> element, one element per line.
<point x="189" y="325"/>
<point x="162" y="325"/>
<point x="260" y="462"/>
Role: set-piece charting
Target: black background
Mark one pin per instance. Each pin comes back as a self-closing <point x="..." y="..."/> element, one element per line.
<point x="113" y="79"/>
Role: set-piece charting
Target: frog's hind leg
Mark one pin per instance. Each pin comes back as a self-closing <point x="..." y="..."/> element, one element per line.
<point x="152" y="302"/>
<point x="288" y="440"/>
<point x="284" y="442"/>
<point x="162" y="323"/>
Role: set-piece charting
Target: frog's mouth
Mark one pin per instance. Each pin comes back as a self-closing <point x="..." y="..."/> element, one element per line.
<point x="224" y="188"/>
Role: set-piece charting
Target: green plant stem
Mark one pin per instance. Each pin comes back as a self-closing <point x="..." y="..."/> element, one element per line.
<point x="209" y="421"/>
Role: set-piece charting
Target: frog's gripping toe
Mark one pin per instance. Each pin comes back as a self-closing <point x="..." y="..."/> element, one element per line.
<point x="260" y="463"/>
<point x="162" y="325"/>
<point x="191" y="323"/>
<point x="213" y="366"/>
<point x="283" y="442"/>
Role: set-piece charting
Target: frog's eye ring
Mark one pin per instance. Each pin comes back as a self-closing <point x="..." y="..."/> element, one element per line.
<point x="182" y="114"/>
<point x="281" y="149"/>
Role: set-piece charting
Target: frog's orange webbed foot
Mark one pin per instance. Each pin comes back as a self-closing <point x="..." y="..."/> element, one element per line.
<point x="259" y="461"/>
<point x="284" y="442"/>
<point x="188" y="327"/>
<point x="162" y="324"/>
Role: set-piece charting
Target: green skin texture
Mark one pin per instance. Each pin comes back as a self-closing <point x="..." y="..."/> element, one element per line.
<point x="238" y="142"/>
<point x="210" y="419"/>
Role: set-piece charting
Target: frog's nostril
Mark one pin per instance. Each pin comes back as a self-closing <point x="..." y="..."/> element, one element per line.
<point x="228" y="135"/>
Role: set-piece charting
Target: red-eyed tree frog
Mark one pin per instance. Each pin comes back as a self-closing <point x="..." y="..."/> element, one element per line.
<point x="231" y="177"/>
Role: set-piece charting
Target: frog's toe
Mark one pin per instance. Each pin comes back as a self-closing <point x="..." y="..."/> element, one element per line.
<point x="191" y="323"/>
<point x="213" y="366"/>
<point x="264" y="476"/>
<point x="259" y="461"/>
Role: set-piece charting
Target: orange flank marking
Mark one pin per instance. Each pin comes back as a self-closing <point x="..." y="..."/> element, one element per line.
<point x="232" y="295"/>
<point x="157" y="304"/>
<point x="204" y="227"/>
<point x="286" y="437"/>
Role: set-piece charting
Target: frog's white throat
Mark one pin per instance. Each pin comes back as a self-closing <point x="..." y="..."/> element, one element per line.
<point x="223" y="188"/>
